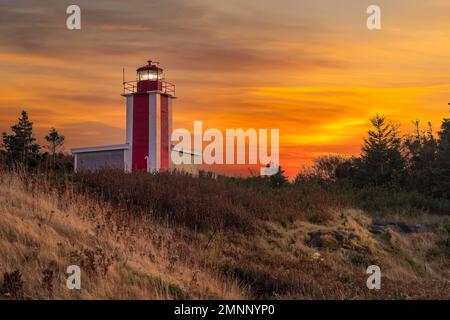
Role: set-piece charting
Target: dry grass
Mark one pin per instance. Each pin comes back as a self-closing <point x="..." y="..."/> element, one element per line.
<point x="204" y="204"/>
<point x="144" y="244"/>
<point x="279" y="264"/>
<point x="41" y="233"/>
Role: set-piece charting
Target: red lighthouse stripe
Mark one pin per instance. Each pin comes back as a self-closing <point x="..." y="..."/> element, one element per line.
<point x="141" y="120"/>
<point x="164" y="132"/>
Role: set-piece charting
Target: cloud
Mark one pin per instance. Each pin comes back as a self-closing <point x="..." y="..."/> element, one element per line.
<point x="87" y="133"/>
<point x="310" y="68"/>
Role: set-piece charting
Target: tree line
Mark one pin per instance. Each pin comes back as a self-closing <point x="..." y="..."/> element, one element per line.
<point x="419" y="161"/>
<point x="20" y="147"/>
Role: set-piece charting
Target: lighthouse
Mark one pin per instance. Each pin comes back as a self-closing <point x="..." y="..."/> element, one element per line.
<point x="147" y="147"/>
<point x="149" y="119"/>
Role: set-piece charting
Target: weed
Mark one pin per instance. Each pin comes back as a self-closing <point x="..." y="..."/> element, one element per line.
<point x="47" y="281"/>
<point x="13" y="285"/>
<point x="94" y="262"/>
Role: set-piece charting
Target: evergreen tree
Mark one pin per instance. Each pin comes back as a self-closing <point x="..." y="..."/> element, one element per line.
<point x="278" y="179"/>
<point x="381" y="160"/>
<point x="55" y="141"/>
<point x="20" y="146"/>
<point x="421" y="152"/>
<point x="442" y="171"/>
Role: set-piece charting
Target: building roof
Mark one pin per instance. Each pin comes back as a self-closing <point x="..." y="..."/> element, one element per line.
<point x="100" y="148"/>
<point x="126" y="147"/>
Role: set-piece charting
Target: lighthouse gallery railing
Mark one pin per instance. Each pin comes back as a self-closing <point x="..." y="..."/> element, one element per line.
<point x="166" y="87"/>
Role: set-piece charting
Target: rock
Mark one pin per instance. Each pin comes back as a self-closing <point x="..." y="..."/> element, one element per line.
<point x="402" y="227"/>
<point x="380" y="223"/>
<point x="315" y="239"/>
<point x="376" y="229"/>
<point x="379" y="227"/>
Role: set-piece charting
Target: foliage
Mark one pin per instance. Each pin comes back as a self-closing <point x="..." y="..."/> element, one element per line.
<point x="416" y="163"/>
<point x="420" y="150"/>
<point x="381" y="162"/>
<point x="447" y="225"/>
<point x="205" y="204"/>
<point x="326" y="168"/>
<point x="13" y="285"/>
<point x="443" y="161"/>
<point x="20" y="145"/>
<point x="55" y="142"/>
<point x="278" y="179"/>
<point x="20" y="148"/>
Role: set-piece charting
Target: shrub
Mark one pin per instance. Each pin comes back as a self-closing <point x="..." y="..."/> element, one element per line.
<point x="203" y="203"/>
<point x="13" y="285"/>
<point x="447" y="225"/>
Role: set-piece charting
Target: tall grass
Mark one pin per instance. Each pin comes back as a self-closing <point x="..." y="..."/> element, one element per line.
<point x="174" y="236"/>
<point x="206" y="203"/>
<point x="44" y="229"/>
<point x="230" y="203"/>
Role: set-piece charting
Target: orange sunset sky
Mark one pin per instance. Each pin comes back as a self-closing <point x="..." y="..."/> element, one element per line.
<point x="309" y="68"/>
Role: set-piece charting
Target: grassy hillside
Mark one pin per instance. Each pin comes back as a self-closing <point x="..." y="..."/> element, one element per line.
<point x="165" y="236"/>
<point x="43" y="231"/>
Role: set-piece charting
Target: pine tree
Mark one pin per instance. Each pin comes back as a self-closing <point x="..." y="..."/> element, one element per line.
<point x="278" y="179"/>
<point x="20" y="146"/>
<point x="55" y="141"/>
<point x="421" y="152"/>
<point x="442" y="171"/>
<point x="381" y="160"/>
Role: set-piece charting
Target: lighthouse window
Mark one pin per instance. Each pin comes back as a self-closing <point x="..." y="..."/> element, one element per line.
<point x="148" y="75"/>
